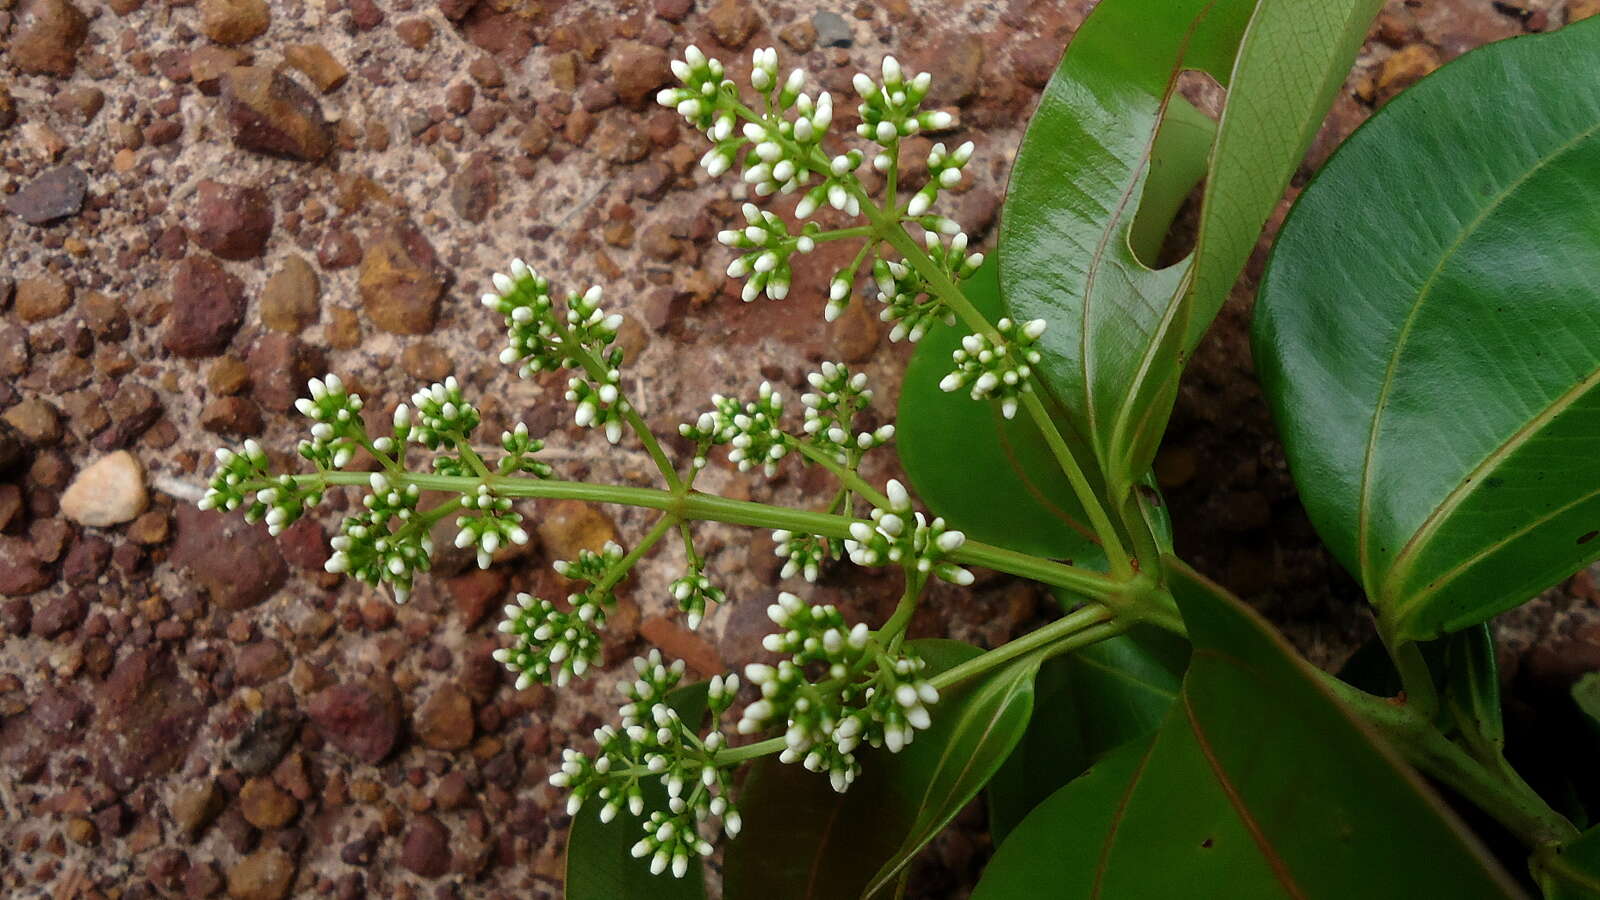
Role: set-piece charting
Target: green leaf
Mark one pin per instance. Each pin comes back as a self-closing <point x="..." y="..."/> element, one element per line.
<point x="1101" y="146"/>
<point x="1428" y="333"/>
<point x="1022" y="501"/>
<point x="1088" y="703"/>
<point x="1571" y="872"/>
<point x="600" y="862"/>
<point x="1465" y="675"/>
<point x="803" y="840"/>
<point x="1258" y="784"/>
<point x="1586" y="693"/>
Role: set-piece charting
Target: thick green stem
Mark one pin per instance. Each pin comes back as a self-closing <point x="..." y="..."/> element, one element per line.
<point x="847" y="476"/>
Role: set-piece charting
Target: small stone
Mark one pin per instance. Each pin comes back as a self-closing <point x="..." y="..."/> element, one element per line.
<point x="363" y="720"/>
<point x="401" y="282"/>
<point x="1405" y="67"/>
<point x="801" y="36"/>
<point x="47" y="37"/>
<point x="445" y="721"/>
<point x="475" y="592"/>
<point x="266" y="874"/>
<point x="196" y="806"/>
<point x="231" y="221"/>
<point x="80" y="105"/>
<point x="149" y="714"/>
<point x="291" y="299"/>
<point x="475" y="189"/>
<point x="133" y="409"/>
<point x="228" y="376"/>
<point x="318" y="65"/>
<point x="263" y="742"/>
<point x="280" y="367"/>
<point x="678" y="642"/>
<point x="271" y="114"/>
<point x="265" y="805"/>
<point x="485" y="71"/>
<point x="60" y="615"/>
<point x="55" y="194"/>
<point x="637" y="71"/>
<point x="426" y="361"/>
<point x="573" y="525"/>
<point x="42" y="298"/>
<point x="620" y="140"/>
<point x="1582" y="9"/>
<point x="36" y="420"/>
<point x="82" y="832"/>
<point x="733" y="22"/>
<point x="259" y="662"/>
<point x="414" y="33"/>
<point x="425" y="850"/>
<point x="208" y="64"/>
<point x="109" y="492"/>
<point x="674" y="10"/>
<point x="832" y="30"/>
<point x="234" y="21"/>
<point x="21" y="573"/>
<point x="534" y="138"/>
<point x="237" y="562"/>
<point x="208" y="306"/>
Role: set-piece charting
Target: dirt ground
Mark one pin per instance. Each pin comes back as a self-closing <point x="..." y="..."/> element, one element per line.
<point x="206" y="203"/>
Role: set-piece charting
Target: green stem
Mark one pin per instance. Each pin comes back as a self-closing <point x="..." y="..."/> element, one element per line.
<point x="1496" y="790"/>
<point x="841" y="233"/>
<point x="664" y="523"/>
<point x="901" y="617"/>
<point x="847" y="476"/>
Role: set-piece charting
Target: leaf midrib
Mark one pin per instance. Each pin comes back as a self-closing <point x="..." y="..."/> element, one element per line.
<point x="1364" y="521"/>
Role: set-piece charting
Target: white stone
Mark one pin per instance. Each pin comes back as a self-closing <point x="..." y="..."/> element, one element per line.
<point x="109" y="492"/>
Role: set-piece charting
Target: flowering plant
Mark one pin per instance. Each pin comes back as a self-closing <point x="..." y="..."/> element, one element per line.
<point x="909" y="731"/>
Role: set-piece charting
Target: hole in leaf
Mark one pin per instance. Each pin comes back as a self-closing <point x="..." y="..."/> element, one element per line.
<point x="1165" y="225"/>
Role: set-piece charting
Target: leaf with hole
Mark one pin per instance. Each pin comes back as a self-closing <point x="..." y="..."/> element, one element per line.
<point x="1258" y="784"/>
<point x="1428" y="334"/>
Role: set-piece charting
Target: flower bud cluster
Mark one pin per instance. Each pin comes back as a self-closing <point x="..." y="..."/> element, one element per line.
<point x="835" y="398"/>
<point x="769" y="246"/>
<point x="944" y="172"/>
<point x="338" y="429"/>
<point x="654" y="740"/>
<point x="387" y="544"/>
<point x="908" y="300"/>
<point x="494" y="526"/>
<point x="892" y="110"/>
<point x="865" y="694"/>
<point x="551" y="646"/>
<point x="520" y="447"/>
<point x="752" y="429"/>
<point x="693" y="592"/>
<point x="803" y="554"/>
<point x="234" y="470"/>
<point x="997" y="368"/>
<point x="443" y="417"/>
<point x="594" y="568"/>
<point x="899" y="536"/>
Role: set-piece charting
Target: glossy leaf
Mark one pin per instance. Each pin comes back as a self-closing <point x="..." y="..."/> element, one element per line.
<point x="1258" y="784"/>
<point x="1573" y="871"/>
<point x="1428" y="333"/>
<point x="803" y="840"/>
<point x="1118" y="329"/>
<point x="992" y="477"/>
<point x="600" y="864"/>
<point x="1087" y="703"/>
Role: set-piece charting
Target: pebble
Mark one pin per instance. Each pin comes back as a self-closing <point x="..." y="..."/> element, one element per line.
<point x="475" y="189"/>
<point x="263" y="742"/>
<point x="237" y="562"/>
<point x="445" y="721"/>
<point x="231" y="221"/>
<point x="637" y="71"/>
<point x="280" y="366"/>
<point x="291" y="299"/>
<point x="36" y="420"/>
<point x="265" y="805"/>
<point x="47" y="37"/>
<point x="133" y="409"/>
<point x="271" y="114"/>
<point x="149" y="715"/>
<point x="678" y="642"/>
<point x="266" y="874"/>
<point x="318" y="65"/>
<point x="109" y="492"/>
<point x="425" y="850"/>
<point x="733" y="22"/>
<point x="832" y="30"/>
<point x="197" y="805"/>
<point x="208" y="305"/>
<point x="42" y="298"/>
<point x="363" y="720"/>
<point x="60" y="615"/>
<point x="234" y="21"/>
<point x="401" y="281"/>
<point x="55" y="194"/>
<point x="573" y="525"/>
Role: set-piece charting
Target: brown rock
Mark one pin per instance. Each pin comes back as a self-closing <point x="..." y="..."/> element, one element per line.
<point x="291" y="300"/>
<point x="196" y="806"/>
<point x="231" y="221"/>
<point x="208" y="64"/>
<point x="637" y="70"/>
<point x="271" y="114"/>
<point x="109" y="492"/>
<point x="234" y="21"/>
<point x="1405" y="67"/>
<point x="678" y="642"/>
<point x="572" y="525"/>
<point x="208" y="306"/>
<point x="21" y="572"/>
<point x="59" y="615"/>
<point x="401" y="281"/>
<point x="475" y="189"/>
<point x="149" y="717"/>
<point x="47" y="37"/>
<point x="674" y="10"/>
<point x="414" y="33"/>
<point x="426" y="361"/>
<point x="237" y="562"/>
<point x="363" y="720"/>
<point x="259" y="662"/>
<point x="855" y="334"/>
<point x="42" y="298"/>
<point x="475" y="593"/>
<point x="266" y="874"/>
<point x="957" y="64"/>
<point x="265" y="805"/>
<point x="1582" y="9"/>
<point x="534" y="138"/>
<point x="425" y="850"/>
<point x="620" y="140"/>
<point x="280" y="366"/>
<point x="800" y="35"/>
<point x="36" y="420"/>
<point x="133" y="409"/>
<point x="445" y="721"/>
<point x="55" y="194"/>
<point x="318" y="65"/>
<point x="1035" y="61"/>
<point x="733" y="22"/>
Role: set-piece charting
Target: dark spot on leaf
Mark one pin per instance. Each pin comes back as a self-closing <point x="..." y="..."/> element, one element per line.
<point x="1588" y="537"/>
<point x="1494" y="482"/>
<point x="1206" y="844"/>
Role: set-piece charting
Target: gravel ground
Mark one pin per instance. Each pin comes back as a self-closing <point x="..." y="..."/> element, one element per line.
<point x="206" y="203"/>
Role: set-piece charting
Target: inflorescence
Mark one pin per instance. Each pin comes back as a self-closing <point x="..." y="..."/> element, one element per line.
<point x="837" y="686"/>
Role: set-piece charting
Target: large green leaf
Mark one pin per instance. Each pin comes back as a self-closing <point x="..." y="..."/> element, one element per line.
<point x="1428" y="333"/>
<point x="992" y="477"/>
<point x="600" y="862"/>
<point x="1259" y="784"/>
<point x="1573" y="871"/>
<point x="803" y="840"/>
<point x="1119" y="330"/>
<point x="1088" y="703"/>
